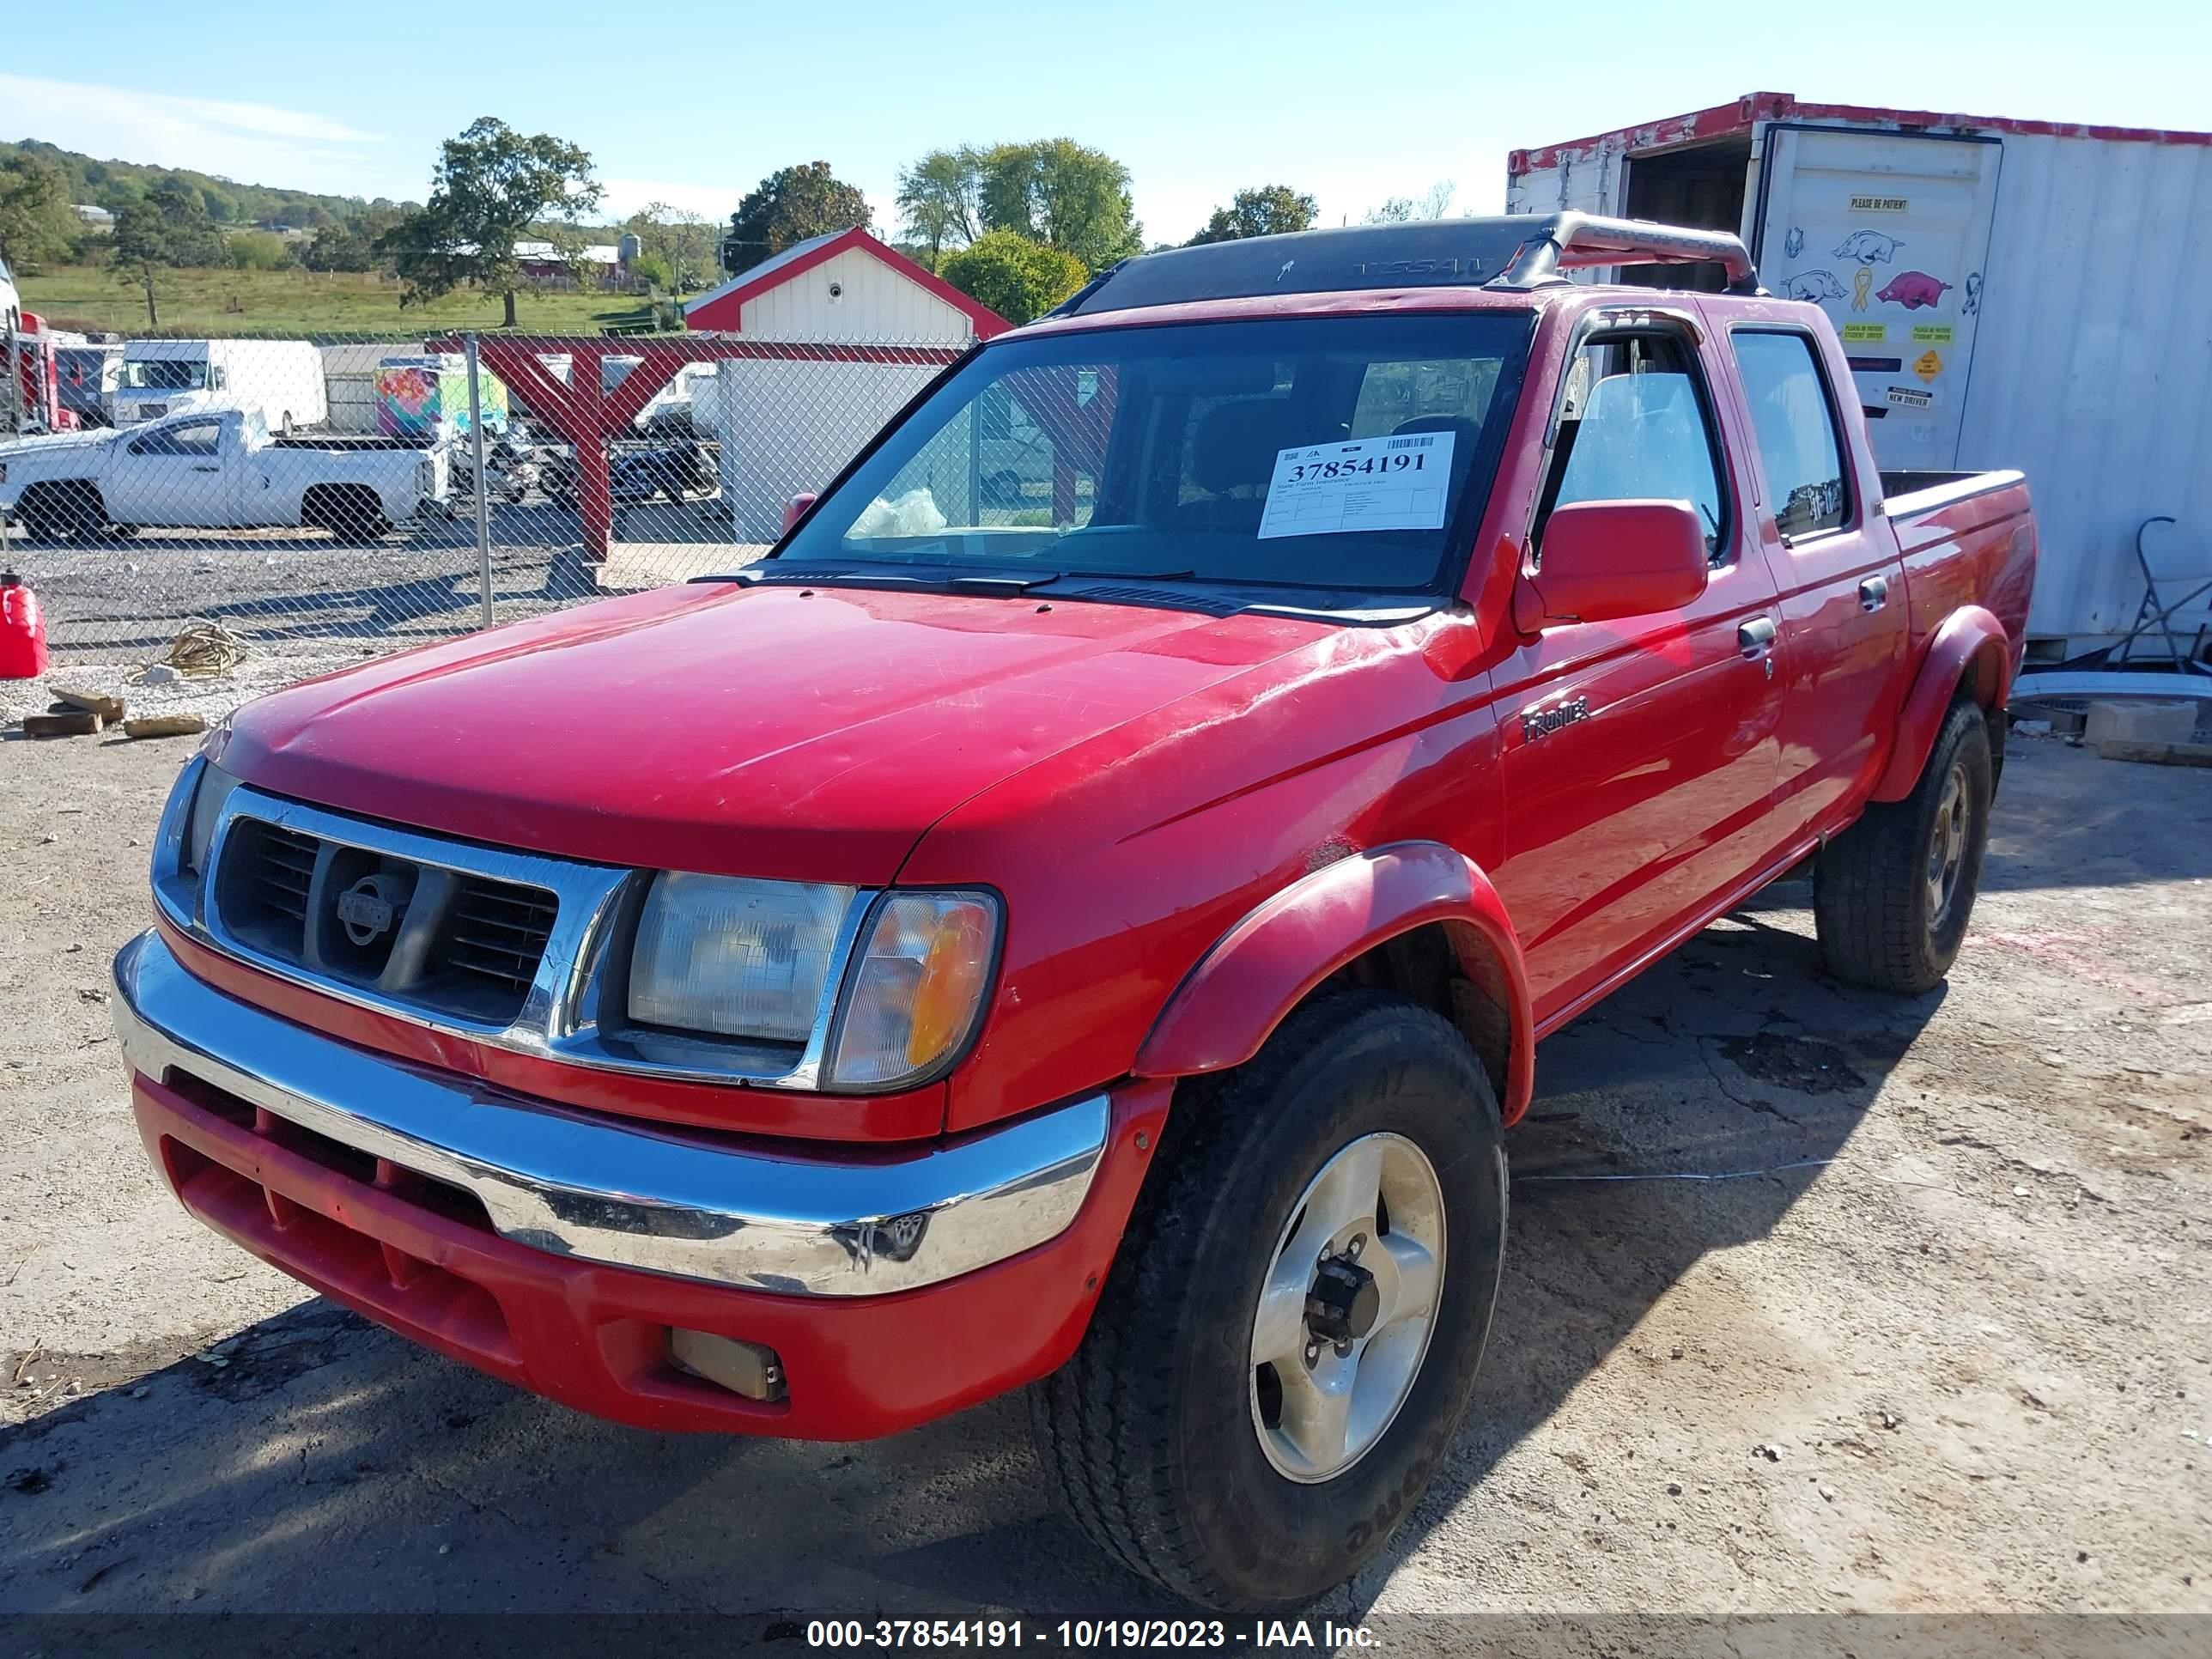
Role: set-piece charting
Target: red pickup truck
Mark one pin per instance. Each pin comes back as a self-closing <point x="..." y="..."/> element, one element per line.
<point x="1089" y="924"/>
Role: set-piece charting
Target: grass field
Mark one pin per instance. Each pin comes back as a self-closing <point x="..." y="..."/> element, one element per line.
<point x="297" y="304"/>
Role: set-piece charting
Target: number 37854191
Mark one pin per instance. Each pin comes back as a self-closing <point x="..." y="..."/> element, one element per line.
<point x="1318" y="471"/>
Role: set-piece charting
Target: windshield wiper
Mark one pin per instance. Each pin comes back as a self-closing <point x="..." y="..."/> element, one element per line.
<point x="935" y="578"/>
<point x="1128" y="576"/>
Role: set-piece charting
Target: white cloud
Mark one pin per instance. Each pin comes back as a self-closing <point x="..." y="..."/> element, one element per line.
<point x="253" y="143"/>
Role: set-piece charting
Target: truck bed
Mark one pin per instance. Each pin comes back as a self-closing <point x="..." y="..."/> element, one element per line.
<point x="1907" y="495"/>
<point x="331" y="440"/>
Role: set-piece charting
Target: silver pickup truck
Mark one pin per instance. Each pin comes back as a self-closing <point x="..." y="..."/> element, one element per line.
<point x="219" y="470"/>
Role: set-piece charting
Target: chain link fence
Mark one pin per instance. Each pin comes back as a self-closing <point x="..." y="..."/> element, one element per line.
<point x="324" y="501"/>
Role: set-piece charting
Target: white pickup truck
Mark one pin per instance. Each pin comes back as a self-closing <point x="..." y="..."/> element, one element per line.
<point x="219" y="470"/>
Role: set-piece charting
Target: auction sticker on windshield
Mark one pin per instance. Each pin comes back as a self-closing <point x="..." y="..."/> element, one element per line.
<point x="1369" y="484"/>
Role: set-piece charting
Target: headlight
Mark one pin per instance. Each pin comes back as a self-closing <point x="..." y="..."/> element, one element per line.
<point x="736" y="957"/>
<point x="916" y="986"/>
<point x="214" y="790"/>
<point x="899" y="988"/>
<point x="184" y="845"/>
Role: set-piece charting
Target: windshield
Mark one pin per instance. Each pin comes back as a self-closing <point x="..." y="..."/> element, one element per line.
<point x="165" y="374"/>
<point x="1344" y="453"/>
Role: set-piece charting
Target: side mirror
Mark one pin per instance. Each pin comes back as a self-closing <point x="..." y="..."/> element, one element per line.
<point x="1602" y="561"/>
<point x="795" y="510"/>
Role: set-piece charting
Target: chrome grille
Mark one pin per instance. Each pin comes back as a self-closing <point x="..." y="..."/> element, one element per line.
<point x="440" y="940"/>
<point x="269" y="874"/>
<point x="498" y="932"/>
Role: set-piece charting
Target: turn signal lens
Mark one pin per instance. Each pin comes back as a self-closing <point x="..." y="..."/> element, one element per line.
<point x="918" y="989"/>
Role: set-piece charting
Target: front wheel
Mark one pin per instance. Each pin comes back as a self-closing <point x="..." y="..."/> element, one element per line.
<point x="1891" y="895"/>
<point x="1292" y="1325"/>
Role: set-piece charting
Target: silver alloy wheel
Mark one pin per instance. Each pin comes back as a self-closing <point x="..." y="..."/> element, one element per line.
<point x="1350" y="1298"/>
<point x="1947" y="847"/>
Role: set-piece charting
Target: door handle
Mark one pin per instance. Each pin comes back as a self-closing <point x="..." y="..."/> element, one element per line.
<point x="1874" y="593"/>
<point x="1755" y="638"/>
<point x="207" y="469"/>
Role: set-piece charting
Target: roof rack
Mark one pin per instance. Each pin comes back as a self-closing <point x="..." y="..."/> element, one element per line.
<point x="1515" y="251"/>
<point x="1576" y="242"/>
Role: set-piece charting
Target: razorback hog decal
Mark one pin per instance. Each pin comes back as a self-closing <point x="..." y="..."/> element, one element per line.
<point x="1814" y="285"/>
<point x="1868" y="247"/>
<point x="1914" y="289"/>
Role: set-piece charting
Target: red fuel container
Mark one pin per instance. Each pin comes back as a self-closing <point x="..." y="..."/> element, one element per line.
<point x="22" y="630"/>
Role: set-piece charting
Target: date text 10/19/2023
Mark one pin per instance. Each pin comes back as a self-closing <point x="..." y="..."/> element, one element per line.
<point x="1086" y="1633"/>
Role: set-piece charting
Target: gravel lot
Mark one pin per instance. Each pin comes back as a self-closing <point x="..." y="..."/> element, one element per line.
<point x="305" y="604"/>
<point x="1951" y="1353"/>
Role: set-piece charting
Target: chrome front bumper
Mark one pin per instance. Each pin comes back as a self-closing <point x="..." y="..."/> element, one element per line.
<point x="632" y="1196"/>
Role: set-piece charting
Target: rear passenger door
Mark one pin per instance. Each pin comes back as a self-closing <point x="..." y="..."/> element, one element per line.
<point x="1639" y="755"/>
<point x="1836" y="567"/>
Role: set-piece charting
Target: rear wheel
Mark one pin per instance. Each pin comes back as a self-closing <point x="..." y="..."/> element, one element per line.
<point x="1893" y="894"/>
<point x="1292" y="1324"/>
<point x="352" y="514"/>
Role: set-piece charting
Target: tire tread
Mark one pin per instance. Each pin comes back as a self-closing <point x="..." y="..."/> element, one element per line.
<point x="1866" y="884"/>
<point x="1103" y="1421"/>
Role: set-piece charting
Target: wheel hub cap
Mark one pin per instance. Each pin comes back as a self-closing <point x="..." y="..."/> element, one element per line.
<point x="1345" y="1317"/>
<point x="1947" y="847"/>
<point x="1343" y="1302"/>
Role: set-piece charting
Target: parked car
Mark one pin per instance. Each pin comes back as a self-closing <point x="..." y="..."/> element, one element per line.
<point x="951" y="955"/>
<point x="280" y="381"/>
<point x="222" y="470"/>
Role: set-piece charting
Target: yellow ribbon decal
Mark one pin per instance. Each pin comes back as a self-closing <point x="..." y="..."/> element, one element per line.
<point x="1862" y="284"/>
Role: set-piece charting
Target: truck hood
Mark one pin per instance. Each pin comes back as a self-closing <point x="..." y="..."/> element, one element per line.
<point x="56" y="443"/>
<point x="762" y="731"/>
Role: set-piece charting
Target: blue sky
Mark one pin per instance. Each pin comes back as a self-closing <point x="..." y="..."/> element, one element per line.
<point x="694" y="103"/>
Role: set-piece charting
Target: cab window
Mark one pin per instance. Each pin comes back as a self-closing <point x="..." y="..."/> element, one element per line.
<point x="1794" y="419"/>
<point x="193" y="437"/>
<point x="1635" y="425"/>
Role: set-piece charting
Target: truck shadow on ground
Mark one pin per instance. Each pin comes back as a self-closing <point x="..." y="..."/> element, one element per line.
<point x="314" y="1462"/>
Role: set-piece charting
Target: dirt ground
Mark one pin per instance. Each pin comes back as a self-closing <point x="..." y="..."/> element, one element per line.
<point x="1942" y="1342"/>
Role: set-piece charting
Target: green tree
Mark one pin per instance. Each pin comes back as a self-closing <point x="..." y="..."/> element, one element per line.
<point x="260" y="250"/>
<point x="792" y="204"/>
<point x="339" y="247"/>
<point x="1018" y="278"/>
<point x="1057" y="192"/>
<point x="139" y="249"/>
<point x="679" y="239"/>
<point x="190" y="236"/>
<point x="940" y="199"/>
<point x="36" y="220"/>
<point x="1268" y="211"/>
<point x="490" y="184"/>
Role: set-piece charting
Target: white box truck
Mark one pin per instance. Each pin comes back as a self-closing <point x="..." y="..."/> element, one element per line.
<point x="2011" y="293"/>
<point x="282" y="380"/>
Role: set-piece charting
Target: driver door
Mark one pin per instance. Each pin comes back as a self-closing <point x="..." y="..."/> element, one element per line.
<point x="179" y="473"/>
<point x="1640" y="755"/>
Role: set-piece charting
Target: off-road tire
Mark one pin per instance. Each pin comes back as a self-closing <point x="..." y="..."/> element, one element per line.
<point x="1148" y="1434"/>
<point x="1871" y="903"/>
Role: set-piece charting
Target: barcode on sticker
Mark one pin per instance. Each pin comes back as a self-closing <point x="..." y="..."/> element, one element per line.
<point x="1425" y="442"/>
